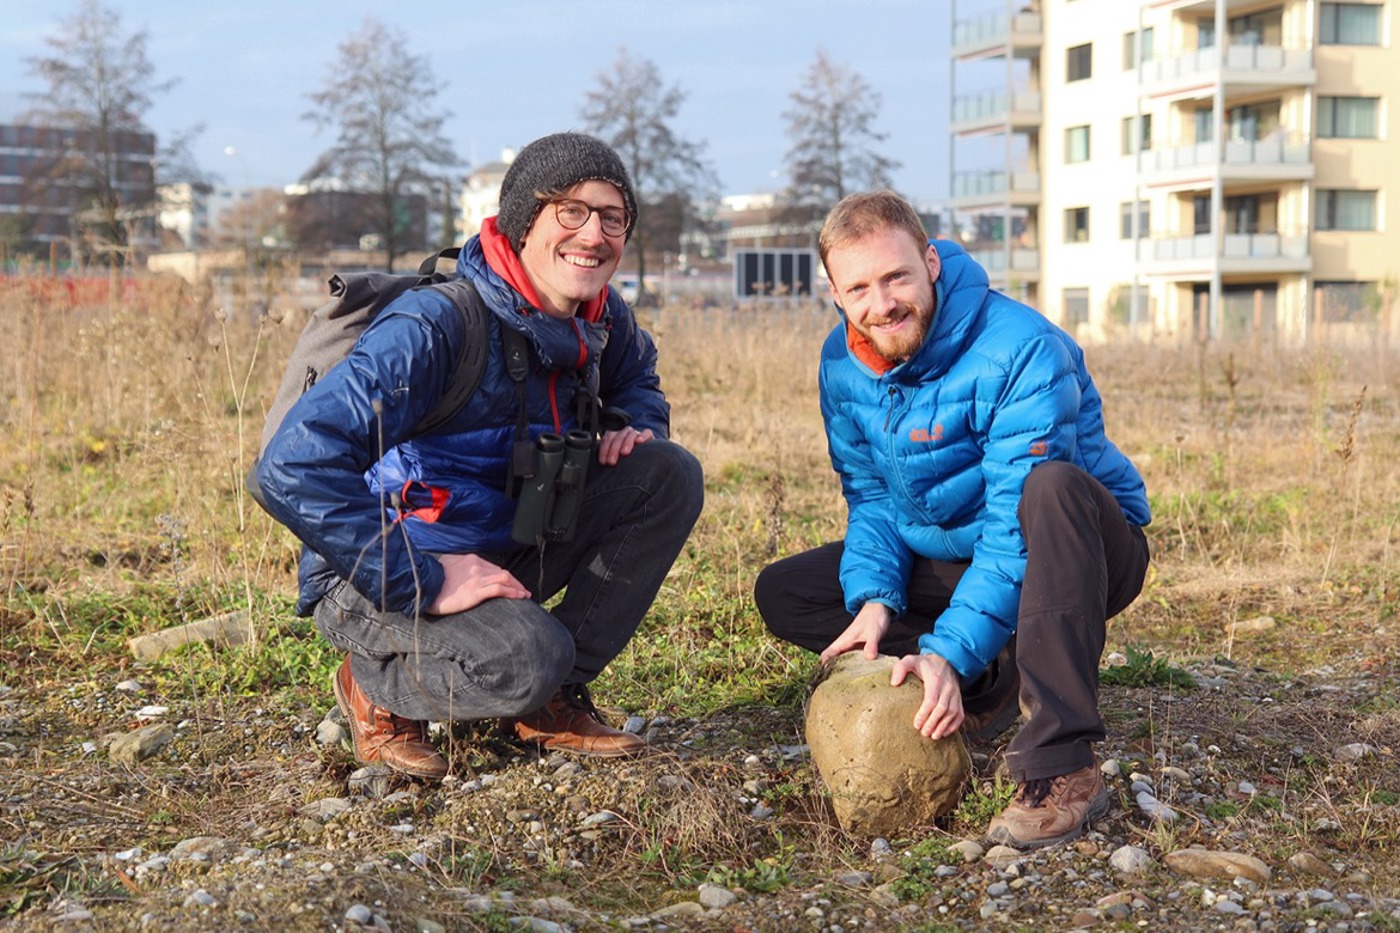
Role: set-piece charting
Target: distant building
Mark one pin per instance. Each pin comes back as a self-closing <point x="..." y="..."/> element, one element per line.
<point x="322" y="216"/>
<point x="481" y="195"/>
<point x="1184" y="169"/>
<point x="38" y="205"/>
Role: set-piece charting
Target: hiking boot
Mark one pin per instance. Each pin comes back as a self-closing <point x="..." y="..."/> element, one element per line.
<point x="570" y="723"/>
<point x="380" y="737"/>
<point x="1050" y="810"/>
<point x="993" y="704"/>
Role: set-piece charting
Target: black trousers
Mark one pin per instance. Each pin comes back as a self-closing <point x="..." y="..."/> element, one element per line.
<point x="1084" y="564"/>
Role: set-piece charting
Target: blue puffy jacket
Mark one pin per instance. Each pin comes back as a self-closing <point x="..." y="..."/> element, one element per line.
<point x="322" y="474"/>
<point x="933" y="454"/>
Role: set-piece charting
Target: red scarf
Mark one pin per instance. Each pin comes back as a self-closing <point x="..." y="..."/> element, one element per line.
<point x="504" y="262"/>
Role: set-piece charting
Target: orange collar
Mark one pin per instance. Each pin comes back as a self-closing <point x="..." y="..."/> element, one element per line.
<point x="861" y="347"/>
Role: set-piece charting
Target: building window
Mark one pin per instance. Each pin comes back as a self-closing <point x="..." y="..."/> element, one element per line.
<point x="1340" y="209"/>
<point x="1125" y="220"/>
<point x="1347" y="302"/>
<point x="1076" y="224"/>
<point x="1348" y="117"/>
<point x="1350" y="24"/>
<point x="1137" y="46"/>
<point x="1079" y="62"/>
<point x="1200" y="214"/>
<point x="1135" y="133"/>
<point x="1076" y="307"/>
<point x="1077" y="144"/>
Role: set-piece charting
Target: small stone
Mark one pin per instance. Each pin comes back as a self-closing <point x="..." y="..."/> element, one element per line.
<point x="1085" y="918"/>
<point x="715" y="897"/>
<point x="1111" y="768"/>
<point x="326" y="809"/>
<point x="1002" y="856"/>
<point x="1355" y="751"/>
<point x="1246" y="789"/>
<point x="201" y="898"/>
<point x="359" y="913"/>
<point x="761" y="811"/>
<point x="1310" y="864"/>
<point x="880" y="848"/>
<point x="1130" y="860"/>
<point x="202" y="848"/>
<point x="998" y="889"/>
<point x="1154" y="808"/>
<point x="600" y="818"/>
<point x="128" y="686"/>
<point x="969" y="850"/>
<point x="151" y="712"/>
<point x="424" y="925"/>
<point x="853" y="879"/>
<point x="1205" y="863"/>
<point x="330" y="733"/>
<point x="753" y="761"/>
<point x="1227" y="906"/>
<point x="370" y="781"/>
<point x="634" y="725"/>
<point x="141" y="744"/>
<point x="681" y="911"/>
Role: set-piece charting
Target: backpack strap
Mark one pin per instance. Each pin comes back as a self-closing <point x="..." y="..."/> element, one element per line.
<point x="471" y="365"/>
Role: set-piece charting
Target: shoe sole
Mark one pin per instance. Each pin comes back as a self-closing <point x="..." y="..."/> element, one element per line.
<point x="344" y="706"/>
<point x="1097" y="808"/>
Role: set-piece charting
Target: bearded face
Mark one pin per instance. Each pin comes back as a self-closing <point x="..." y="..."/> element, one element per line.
<point x="884" y="283"/>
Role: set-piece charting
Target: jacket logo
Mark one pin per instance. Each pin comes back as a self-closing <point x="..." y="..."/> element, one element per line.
<point x="924" y="436"/>
<point x="1039" y="448"/>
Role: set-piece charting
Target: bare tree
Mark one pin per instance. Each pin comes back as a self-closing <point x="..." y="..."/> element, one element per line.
<point x="832" y="128"/>
<point x="379" y="97"/>
<point x="632" y="110"/>
<point x="100" y="86"/>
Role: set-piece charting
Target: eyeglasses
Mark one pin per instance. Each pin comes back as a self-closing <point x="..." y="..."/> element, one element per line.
<point x="572" y="214"/>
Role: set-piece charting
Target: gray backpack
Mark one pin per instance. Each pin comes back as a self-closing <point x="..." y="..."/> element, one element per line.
<point x="357" y="298"/>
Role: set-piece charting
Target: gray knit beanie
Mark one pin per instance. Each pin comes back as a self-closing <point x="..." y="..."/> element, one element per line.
<point x="551" y="163"/>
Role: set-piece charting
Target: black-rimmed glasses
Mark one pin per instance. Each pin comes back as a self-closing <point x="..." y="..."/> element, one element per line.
<point x="573" y="214"/>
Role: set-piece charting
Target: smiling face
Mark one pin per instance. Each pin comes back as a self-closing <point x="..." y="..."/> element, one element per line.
<point x="569" y="267"/>
<point x="884" y="282"/>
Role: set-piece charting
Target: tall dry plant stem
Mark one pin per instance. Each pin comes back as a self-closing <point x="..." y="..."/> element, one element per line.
<point x="239" y="390"/>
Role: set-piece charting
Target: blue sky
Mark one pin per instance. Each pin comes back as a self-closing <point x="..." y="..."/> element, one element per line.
<point x="513" y="71"/>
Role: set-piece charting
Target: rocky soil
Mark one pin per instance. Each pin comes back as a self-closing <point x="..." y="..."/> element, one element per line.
<point x="1251" y="802"/>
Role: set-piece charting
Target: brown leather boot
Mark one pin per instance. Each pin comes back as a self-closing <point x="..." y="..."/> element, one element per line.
<point x="380" y="737"/>
<point x="570" y="723"/>
<point x="1051" y="810"/>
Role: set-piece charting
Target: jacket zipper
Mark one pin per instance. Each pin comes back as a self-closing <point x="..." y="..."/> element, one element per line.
<point x="889" y="415"/>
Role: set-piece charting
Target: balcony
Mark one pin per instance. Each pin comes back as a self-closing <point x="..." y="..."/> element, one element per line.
<point x="1024" y="265"/>
<point x="995" y="188"/>
<point x="996" y="110"/>
<point x="997" y="34"/>
<point x="1252" y="66"/>
<point x="1279" y="156"/>
<point x="1193" y="257"/>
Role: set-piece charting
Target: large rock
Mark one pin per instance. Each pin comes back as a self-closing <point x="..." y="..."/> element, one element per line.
<point x="884" y="777"/>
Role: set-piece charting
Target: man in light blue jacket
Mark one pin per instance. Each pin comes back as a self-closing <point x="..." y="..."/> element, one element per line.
<point x="992" y="526"/>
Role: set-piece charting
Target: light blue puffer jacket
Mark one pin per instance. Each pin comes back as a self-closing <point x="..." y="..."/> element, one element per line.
<point x="933" y="454"/>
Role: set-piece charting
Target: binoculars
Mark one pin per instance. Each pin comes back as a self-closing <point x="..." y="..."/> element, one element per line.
<point x="552" y="471"/>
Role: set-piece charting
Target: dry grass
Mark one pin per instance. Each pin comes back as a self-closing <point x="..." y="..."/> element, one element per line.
<point x="125" y="430"/>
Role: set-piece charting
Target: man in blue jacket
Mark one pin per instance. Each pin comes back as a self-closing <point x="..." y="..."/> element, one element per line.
<point x="992" y="527"/>
<point x="410" y="567"/>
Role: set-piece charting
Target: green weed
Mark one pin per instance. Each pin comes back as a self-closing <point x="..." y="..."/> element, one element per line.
<point x="1145" y="669"/>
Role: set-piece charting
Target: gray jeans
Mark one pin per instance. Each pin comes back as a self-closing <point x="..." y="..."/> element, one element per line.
<point x="507" y="657"/>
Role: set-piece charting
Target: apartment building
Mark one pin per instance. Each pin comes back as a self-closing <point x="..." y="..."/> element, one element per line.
<point x="1181" y="169"/>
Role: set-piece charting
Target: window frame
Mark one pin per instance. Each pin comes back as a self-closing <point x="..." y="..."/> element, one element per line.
<point x="1076" y="232"/>
<point x="1071" y="132"/>
<point x="1083" y="56"/>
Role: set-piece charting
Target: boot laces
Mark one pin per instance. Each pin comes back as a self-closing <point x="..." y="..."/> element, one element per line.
<point x="576" y="696"/>
<point x="1035" y="792"/>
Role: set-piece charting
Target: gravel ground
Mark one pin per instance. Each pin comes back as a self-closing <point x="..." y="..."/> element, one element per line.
<point x="1252" y="802"/>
